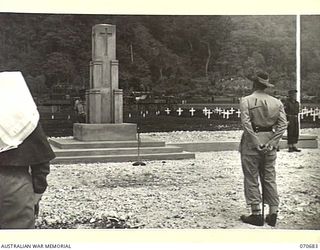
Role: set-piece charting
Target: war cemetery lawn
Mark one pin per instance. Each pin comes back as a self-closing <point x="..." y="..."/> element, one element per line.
<point x="206" y="192"/>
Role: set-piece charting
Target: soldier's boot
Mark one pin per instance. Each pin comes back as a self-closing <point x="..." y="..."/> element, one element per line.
<point x="295" y="149"/>
<point x="253" y="219"/>
<point x="271" y="219"/>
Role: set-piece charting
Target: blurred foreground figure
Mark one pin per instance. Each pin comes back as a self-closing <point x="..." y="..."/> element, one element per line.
<point x="292" y="108"/>
<point x="264" y="122"/>
<point x="24" y="154"/>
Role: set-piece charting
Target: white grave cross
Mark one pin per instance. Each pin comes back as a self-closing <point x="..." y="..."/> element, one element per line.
<point x="224" y="113"/>
<point x="168" y="111"/>
<point x="228" y="113"/>
<point x="205" y="110"/>
<point x="179" y="110"/>
<point x="192" y="110"/>
<point x="238" y="113"/>
<point x="314" y="114"/>
<point x="304" y="111"/>
<point x="209" y="113"/>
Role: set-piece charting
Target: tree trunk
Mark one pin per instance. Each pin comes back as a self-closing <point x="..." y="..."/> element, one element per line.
<point x="190" y="45"/>
<point x="208" y="59"/>
<point x="161" y="74"/>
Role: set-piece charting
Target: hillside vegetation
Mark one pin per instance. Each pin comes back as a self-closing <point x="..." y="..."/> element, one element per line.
<point x="171" y="55"/>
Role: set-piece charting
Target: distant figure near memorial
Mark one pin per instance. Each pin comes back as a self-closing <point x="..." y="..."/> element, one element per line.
<point x="79" y="109"/>
<point x="292" y="108"/>
<point x="264" y="122"/>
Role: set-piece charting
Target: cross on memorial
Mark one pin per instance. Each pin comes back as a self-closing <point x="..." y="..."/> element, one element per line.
<point x="168" y="111"/>
<point x="179" y="110"/>
<point x="192" y="110"/>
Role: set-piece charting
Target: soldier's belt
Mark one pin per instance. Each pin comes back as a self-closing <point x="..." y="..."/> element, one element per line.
<point x="258" y="129"/>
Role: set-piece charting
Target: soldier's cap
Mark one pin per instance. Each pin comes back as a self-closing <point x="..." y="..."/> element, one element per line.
<point x="263" y="78"/>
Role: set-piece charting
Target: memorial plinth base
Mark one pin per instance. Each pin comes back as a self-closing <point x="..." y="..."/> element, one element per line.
<point x="105" y="132"/>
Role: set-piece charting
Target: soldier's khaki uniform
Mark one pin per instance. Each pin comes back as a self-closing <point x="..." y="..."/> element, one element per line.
<point x="264" y="122"/>
<point x="25" y="154"/>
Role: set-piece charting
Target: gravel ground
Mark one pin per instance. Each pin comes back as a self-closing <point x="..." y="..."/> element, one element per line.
<point x="206" y="192"/>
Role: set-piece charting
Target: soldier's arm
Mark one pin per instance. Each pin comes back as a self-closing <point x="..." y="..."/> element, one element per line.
<point x="246" y="122"/>
<point x="39" y="174"/>
<point x="280" y="128"/>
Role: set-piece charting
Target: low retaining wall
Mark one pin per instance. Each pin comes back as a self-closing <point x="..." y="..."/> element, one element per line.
<point x="305" y="141"/>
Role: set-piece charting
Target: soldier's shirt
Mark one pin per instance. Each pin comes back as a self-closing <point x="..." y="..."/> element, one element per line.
<point x="263" y="110"/>
<point x="292" y="107"/>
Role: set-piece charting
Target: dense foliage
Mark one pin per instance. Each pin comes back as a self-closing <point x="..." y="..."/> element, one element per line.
<point x="172" y="55"/>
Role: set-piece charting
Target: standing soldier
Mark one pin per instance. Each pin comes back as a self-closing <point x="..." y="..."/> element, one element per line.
<point x="292" y="107"/>
<point x="24" y="154"/>
<point x="264" y="122"/>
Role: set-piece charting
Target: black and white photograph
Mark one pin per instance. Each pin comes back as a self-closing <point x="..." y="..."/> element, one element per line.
<point x="144" y="121"/>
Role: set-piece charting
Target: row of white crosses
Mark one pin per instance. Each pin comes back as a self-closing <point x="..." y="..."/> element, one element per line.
<point x="207" y="112"/>
<point x="312" y="112"/>
<point x="227" y="112"/>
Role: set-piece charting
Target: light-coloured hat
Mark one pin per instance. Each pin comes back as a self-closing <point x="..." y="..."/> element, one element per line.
<point x="18" y="112"/>
<point x="263" y="78"/>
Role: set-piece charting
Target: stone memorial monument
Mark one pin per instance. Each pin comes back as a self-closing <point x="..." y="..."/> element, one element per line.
<point x="104" y="98"/>
<point x="104" y="137"/>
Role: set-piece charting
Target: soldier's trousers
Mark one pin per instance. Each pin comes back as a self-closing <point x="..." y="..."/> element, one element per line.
<point x="251" y="164"/>
<point x="16" y="198"/>
<point x="293" y="130"/>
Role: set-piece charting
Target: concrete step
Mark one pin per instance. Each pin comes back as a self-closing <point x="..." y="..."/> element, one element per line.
<point x="302" y="137"/>
<point x="115" y="151"/>
<point x="70" y="143"/>
<point x="122" y="158"/>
